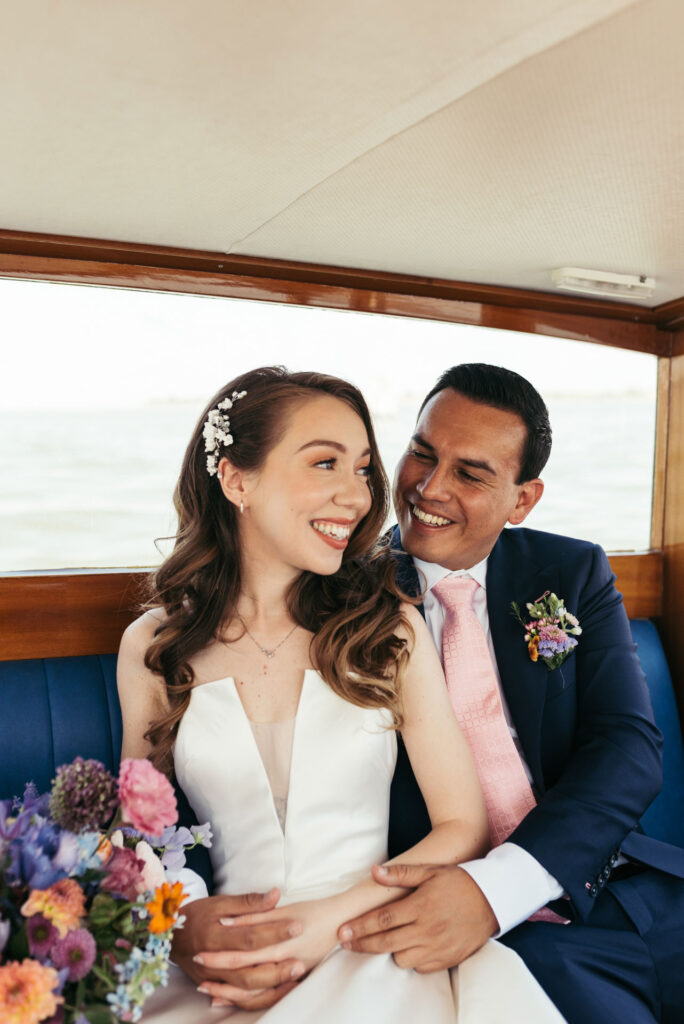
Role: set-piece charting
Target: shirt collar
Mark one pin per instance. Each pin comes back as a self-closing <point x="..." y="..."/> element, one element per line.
<point x="433" y="573"/>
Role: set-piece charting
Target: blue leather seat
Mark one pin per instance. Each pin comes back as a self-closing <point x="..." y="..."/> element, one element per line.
<point x="664" y="819"/>
<point x="52" y="710"/>
<point x="56" y="708"/>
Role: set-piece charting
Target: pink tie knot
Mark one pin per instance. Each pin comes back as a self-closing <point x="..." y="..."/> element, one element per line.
<point x="456" y="592"/>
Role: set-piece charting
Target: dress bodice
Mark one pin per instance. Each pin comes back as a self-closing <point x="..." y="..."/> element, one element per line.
<point x="343" y="758"/>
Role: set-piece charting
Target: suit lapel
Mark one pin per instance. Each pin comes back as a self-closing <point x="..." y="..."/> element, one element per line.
<point x="406" y="575"/>
<point x="512" y="578"/>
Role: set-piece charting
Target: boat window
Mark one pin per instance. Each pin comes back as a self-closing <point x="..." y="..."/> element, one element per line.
<point x="100" y="389"/>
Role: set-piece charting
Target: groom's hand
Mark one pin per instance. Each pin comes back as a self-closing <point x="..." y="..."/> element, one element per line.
<point x="204" y="945"/>
<point x="442" y="921"/>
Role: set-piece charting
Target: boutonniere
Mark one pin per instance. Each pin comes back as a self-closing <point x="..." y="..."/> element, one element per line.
<point x="550" y="629"/>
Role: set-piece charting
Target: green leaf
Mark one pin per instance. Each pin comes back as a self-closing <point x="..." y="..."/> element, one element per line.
<point x="100" y="1014"/>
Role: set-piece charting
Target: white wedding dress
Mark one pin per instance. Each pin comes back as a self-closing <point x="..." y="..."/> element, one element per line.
<point x="335" y="828"/>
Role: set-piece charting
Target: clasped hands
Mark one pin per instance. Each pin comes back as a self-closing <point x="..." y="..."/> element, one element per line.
<point x="245" y="951"/>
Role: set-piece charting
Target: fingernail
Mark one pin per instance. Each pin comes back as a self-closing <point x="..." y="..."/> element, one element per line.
<point x="346" y="934"/>
<point x="198" y="959"/>
<point x="297" y="971"/>
<point x="205" y="991"/>
<point x="295" y="929"/>
<point x="382" y="870"/>
<point x="226" y="921"/>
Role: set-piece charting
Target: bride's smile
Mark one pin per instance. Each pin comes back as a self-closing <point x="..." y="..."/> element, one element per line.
<point x="302" y="506"/>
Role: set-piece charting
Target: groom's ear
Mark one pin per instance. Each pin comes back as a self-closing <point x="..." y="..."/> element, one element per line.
<point x="529" y="494"/>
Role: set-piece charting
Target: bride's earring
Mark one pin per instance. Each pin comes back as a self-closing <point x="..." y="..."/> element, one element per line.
<point x="242" y="506"/>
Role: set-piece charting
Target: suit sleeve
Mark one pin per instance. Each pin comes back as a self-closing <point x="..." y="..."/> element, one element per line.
<point x="613" y="768"/>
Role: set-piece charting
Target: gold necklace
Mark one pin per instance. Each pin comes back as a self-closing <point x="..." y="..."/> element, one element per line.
<point x="265" y="650"/>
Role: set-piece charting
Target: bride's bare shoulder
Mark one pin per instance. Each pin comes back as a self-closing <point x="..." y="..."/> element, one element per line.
<point x="133" y="676"/>
<point x="139" y="635"/>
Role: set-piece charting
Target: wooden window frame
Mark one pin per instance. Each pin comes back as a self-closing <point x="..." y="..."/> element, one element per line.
<point x="82" y="611"/>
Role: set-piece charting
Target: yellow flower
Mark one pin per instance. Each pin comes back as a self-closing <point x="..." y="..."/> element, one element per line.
<point x="164" y="907"/>
<point x="27" y="992"/>
<point x="62" y="903"/>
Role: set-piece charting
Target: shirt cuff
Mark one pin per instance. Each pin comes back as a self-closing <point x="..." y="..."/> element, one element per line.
<point x="514" y="884"/>
<point x="193" y="884"/>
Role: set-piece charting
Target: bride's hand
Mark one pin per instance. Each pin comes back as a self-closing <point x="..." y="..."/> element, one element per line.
<point x="250" y="988"/>
<point x="318" y="920"/>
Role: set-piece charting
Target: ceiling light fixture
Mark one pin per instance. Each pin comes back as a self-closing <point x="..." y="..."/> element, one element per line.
<point x="602" y="282"/>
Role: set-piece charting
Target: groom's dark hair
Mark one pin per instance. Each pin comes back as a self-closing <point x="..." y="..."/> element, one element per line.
<point x="504" y="389"/>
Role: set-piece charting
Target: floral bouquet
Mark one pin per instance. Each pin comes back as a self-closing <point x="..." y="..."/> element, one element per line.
<point x="86" y="916"/>
<point x="550" y="629"/>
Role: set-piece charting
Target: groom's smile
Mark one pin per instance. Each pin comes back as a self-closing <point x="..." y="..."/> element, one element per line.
<point x="456" y="484"/>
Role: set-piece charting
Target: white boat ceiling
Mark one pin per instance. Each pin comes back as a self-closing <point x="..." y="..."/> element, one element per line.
<point x="475" y="140"/>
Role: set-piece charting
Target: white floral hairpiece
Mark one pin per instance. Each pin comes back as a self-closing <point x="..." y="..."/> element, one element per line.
<point x="216" y="430"/>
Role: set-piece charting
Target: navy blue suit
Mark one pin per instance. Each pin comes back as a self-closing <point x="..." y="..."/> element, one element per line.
<point x="588" y="736"/>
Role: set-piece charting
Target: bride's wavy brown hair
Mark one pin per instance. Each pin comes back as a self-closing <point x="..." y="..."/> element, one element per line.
<point x="353" y="614"/>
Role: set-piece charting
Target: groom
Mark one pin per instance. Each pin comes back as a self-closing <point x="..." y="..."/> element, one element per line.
<point x="582" y="732"/>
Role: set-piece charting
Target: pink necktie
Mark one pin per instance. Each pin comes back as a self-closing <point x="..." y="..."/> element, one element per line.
<point x="474" y="692"/>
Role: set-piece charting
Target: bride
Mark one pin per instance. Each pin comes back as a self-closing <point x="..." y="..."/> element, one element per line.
<point x="271" y="673"/>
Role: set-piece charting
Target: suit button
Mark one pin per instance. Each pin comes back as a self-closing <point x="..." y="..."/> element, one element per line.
<point x="613" y="859"/>
<point x="593" y="889"/>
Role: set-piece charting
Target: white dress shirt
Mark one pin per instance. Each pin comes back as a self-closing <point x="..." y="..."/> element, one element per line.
<point x="514" y="883"/>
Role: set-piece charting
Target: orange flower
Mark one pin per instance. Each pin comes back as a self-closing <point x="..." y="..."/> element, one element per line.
<point x="27" y="992"/>
<point x="533" y="648"/>
<point x="164" y="907"/>
<point x="104" y="849"/>
<point x="62" y="903"/>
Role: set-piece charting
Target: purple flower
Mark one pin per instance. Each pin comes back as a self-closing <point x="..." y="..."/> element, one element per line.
<point x="41" y="935"/>
<point x="202" y="834"/>
<point x="35" y="851"/>
<point x="84" y="795"/>
<point x="174" y="840"/>
<point x="553" y="640"/>
<point x="75" y="952"/>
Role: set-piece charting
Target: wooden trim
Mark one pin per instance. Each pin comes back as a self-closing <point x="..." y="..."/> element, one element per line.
<point x="670" y="315"/>
<point x="673" y="534"/>
<point x="639" y="578"/>
<point x="660" y="453"/>
<point x="627" y="330"/>
<point x="59" y="614"/>
<point x="52" y="615"/>
<point x="132" y="254"/>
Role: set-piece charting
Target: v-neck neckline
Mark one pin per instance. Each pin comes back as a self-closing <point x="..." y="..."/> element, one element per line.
<point x="252" y="743"/>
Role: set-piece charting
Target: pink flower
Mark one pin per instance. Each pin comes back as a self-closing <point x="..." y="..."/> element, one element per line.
<point x="148" y="801"/>
<point x="41" y="934"/>
<point x="124" y="874"/>
<point x="76" y="953"/>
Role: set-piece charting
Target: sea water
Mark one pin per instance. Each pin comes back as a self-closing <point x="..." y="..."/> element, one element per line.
<point x="92" y="488"/>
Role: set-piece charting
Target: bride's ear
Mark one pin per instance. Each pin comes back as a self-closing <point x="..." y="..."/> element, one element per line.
<point x="233" y="483"/>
